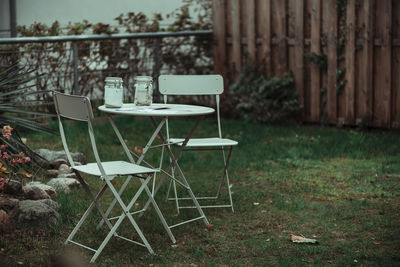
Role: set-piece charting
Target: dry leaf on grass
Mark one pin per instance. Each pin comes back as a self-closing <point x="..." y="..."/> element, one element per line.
<point x="138" y="149"/>
<point x="302" y="239"/>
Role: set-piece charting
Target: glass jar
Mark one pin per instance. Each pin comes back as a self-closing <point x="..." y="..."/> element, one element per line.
<point x="113" y="92"/>
<point x="143" y="90"/>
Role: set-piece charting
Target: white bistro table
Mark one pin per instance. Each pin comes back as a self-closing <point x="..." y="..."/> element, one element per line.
<point x="163" y="112"/>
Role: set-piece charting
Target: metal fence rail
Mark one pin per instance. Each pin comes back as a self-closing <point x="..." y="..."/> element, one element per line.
<point x="78" y="64"/>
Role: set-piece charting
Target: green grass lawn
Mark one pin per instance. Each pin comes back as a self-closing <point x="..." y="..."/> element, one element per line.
<point x="338" y="186"/>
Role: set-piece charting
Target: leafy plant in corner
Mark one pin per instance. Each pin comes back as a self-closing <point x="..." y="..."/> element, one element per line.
<point x="259" y="98"/>
<point x="17" y="95"/>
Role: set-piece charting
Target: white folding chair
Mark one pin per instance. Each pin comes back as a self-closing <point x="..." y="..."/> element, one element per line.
<point x="197" y="85"/>
<point x="79" y="108"/>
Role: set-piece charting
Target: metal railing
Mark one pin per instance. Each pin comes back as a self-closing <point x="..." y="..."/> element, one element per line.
<point x="82" y="62"/>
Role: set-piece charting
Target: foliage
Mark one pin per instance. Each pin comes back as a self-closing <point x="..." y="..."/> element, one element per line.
<point x="259" y="98"/>
<point x="17" y="97"/>
<point x="11" y="163"/>
<point x="123" y="58"/>
<point x="320" y="59"/>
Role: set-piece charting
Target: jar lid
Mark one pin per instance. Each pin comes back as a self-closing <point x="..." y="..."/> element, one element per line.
<point x="143" y="78"/>
<point x="114" y="79"/>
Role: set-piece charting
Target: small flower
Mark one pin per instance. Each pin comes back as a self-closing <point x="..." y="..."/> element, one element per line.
<point x="7" y="136"/>
<point x="21" y="154"/>
<point x="27" y="159"/>
<point x="19" y="160"/>
<point x="5" y="156"/>
<point x="7" y="129"/>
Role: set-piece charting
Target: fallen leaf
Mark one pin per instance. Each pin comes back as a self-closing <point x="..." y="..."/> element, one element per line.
<point x="174" y="245"/>
<point x="283" y="214"/>
<point x="24" y="140"/>
<point x="268" y="201"/>
<point x="256" y="203"/>
<point x="301" y="239"/>
<point x="210" y="226"/>
<point x="138" y="149"/>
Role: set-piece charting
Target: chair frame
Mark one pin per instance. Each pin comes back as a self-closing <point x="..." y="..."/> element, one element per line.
<point x="79" y="108"/>
<point x="199" y="85"/>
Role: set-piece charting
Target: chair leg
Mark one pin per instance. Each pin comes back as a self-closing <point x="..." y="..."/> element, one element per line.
<point x="84" y="216"/>
<point x="124" y="214"/>
<point x="160" y="215"/>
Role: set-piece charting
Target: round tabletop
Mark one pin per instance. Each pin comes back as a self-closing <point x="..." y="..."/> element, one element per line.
<point x="158" y="110"/>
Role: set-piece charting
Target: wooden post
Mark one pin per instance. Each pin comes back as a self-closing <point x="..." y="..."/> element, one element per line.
<point x="264" y="19"/>
<point x="396" y="67"/>
<point x="330" y="11"/>
<point x="382" y="64"/>
<point x="279" y="30"/>
<point x="219" y="36"/>
<point x="251" y="30"/>
<point x="236" y="42"/>
<point x="315" y="69"/>
<point x="365" y="70"/>
<point x="350" y="62"/>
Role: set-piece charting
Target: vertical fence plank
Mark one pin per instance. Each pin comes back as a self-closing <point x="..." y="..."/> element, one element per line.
<point x="365" y="70"/>
<point x="315" y="69"/>
<point x="396" y="66"/>
<point x="291" y="38"/>
<point x="251" y="30"/>
<point x="331" y="13"/>
<point x="382" y="64"/>
<point x="350" y="62"/>
<point x="219" y="33"/>
<point x="279" y="56"/>
<point x="324" y="75"/>
<point x="264" y="19"/>
<point x="299" y="49"/>
<point x="236" y="42"/>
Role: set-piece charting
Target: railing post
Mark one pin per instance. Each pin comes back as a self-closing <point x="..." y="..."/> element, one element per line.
<point x="156" y="67"/>
<point x="76" y="73"/>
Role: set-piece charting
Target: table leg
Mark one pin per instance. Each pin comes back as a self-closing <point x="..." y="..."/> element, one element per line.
<point x="129" y="155"/>
<point x="174" y="163"/>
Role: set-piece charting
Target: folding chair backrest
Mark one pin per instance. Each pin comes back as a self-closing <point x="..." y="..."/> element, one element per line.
<point x="193" y="85"/>
<point x="73" y="107"/>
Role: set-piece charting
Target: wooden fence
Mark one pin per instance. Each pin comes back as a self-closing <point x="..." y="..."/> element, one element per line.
<point x="344" y="54"/>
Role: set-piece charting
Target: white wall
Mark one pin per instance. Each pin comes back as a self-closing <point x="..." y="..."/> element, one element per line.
<point x="4" y="18"/>
<point x="48" y="11"/>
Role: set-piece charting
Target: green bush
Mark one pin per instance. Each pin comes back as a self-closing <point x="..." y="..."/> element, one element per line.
<point x="256" y="97"/>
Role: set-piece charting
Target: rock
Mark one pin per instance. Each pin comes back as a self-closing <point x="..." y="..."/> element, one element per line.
<point x="67" y="175"/>
<point x="54" y="155"/>
<point x="5" y="223"/>
<point x="52" y="173"/>
<point x="37" y="190"/>
<point x="8" y="204"/>
<point x="12" y="187"/>
<point x="36" y="211"/>
<point x="57" y="162"/>
<point x="63" y="169"/>
<point x="59" y="185"/>
<point x="63" y="184"/>
<point x="51" y="203"/>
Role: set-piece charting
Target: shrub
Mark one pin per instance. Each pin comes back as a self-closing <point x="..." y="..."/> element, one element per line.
<point x="259" y="98"/>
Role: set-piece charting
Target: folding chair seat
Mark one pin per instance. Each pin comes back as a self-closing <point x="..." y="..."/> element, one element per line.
<point x="79" y="108"/>
<point x="200" y="85"/>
